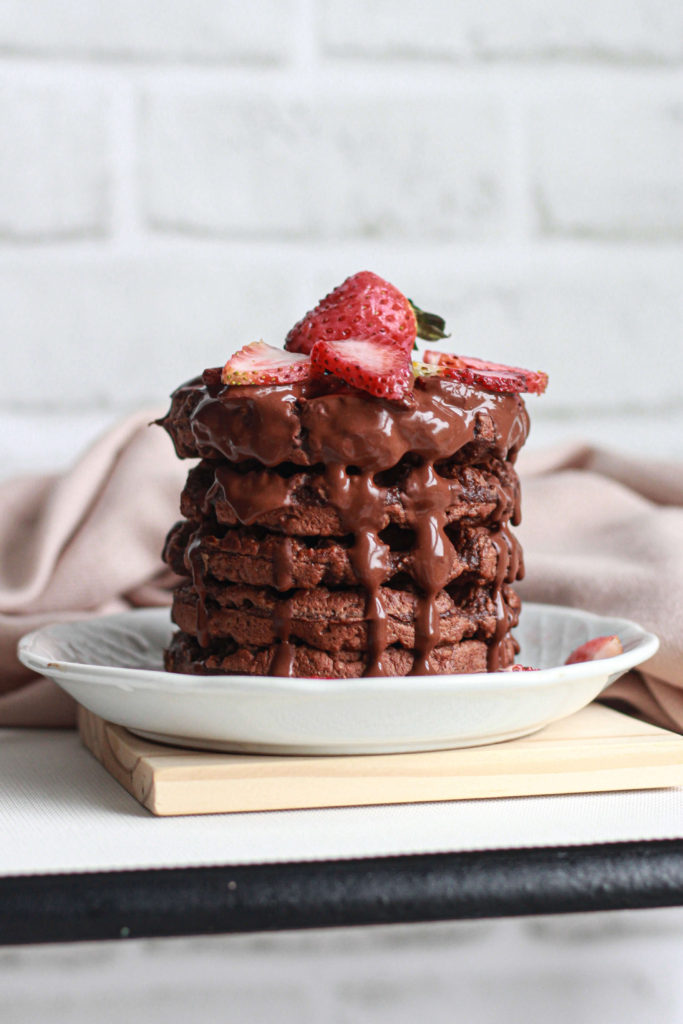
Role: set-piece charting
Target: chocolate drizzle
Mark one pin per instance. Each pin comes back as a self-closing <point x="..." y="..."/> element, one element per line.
<point x="283" y="662"/>
<point x="284" y="565"/>
<point x="193" y="562"/>
<point x="509" y="563"/>
<point x="359" y="499"/>
<point x="250" y="495"/>
<point x="250" y="435"/>
<point x="428" y="497"/>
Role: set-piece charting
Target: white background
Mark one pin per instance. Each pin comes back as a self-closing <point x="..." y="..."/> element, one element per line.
<point x="180" y="177"/>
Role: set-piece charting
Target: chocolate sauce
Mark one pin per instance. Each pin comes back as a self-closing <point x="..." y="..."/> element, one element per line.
<point x="283" y="661"/>
<point x="355" y="437"/>
<point x="508" y="552"/>
<point x="427" y="498"/>
<point x="324" y="421"/>
<point x="284" y="565"/>
<point x="196" y="568"/>
<point x="360" y="504"/>
<point x="250" y="496"/>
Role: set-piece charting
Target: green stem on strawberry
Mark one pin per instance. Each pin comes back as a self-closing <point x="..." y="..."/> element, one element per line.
<point x="430" y="326"/>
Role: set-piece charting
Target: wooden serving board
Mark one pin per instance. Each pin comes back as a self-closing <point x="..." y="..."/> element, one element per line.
<point x="593" y="751"/>
<point x="596" y="750"/>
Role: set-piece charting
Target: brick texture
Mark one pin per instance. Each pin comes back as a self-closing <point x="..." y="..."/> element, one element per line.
<point x="125" y="331"/>
<point x="53" y="163"/>
<point x="83" y="332"/>
<point x="179" y="179"/>
<point x="638" y="30"/>
<point x="412" y="169"/>
<point x="213" y="165"/>
<point x="608" y="168"/>
<point x="603" y="340"/>
<point x="193" y="30"/>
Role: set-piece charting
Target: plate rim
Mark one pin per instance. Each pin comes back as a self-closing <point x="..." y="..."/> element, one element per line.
<point x="645" y="646"/>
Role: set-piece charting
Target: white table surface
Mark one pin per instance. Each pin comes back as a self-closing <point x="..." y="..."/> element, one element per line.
<point x="61" y="812"/>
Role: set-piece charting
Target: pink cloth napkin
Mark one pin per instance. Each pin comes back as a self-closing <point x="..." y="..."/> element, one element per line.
<point x="604" y="532"/>
<point x="82" y="544"/>
<point x="600" y="532"/>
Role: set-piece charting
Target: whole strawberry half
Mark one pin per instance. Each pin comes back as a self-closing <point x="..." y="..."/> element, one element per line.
<point x="259" y="363"/>
<point x="372" y="366"/>
<point x="365" y="307"/>
<point x="491" y="376"/>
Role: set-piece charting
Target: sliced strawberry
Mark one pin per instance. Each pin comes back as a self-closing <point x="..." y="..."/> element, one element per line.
<point x="369" y="365"/>
<point x="364" y="308"/>
<point x="426" y="369"/>
<point x="593" y="650"/>
<point x="443" y="359"/>
<point x="520" y="668"/>
<point x="259" y="363"/>
<point x="492" y="376"/>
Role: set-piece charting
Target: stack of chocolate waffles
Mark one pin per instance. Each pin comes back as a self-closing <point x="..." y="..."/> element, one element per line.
<point x="329" y="532"/>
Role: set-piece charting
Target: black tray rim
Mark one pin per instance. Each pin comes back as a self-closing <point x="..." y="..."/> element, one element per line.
<point x="224" y="899"/>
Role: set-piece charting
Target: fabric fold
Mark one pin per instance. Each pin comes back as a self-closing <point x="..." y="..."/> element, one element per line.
<point x="84" y="543"/>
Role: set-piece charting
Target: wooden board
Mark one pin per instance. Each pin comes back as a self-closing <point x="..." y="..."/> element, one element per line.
<point x="595" y="750"/>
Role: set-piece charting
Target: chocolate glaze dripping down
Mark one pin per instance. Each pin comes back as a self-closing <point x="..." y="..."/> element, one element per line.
<point x="284" y="565"/>
<point x="283" y="661"/>
<point x="325" y="421"/>
<point x="354" y="438"/>
<point x="195" y="566"/>
<point x="250" y="495"/>
<point x="428" y="497"/>
<point x="508" y="553"/>
<point x="360" y="504"/>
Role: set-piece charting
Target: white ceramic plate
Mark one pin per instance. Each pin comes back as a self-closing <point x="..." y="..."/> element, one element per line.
<point x="113" y="667"/>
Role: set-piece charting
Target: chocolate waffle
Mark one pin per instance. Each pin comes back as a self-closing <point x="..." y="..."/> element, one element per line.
<point x="330" y="533"/>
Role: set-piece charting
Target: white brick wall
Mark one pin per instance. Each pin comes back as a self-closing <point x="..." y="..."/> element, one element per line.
<point x="609" y="337"/>
<point x="123" y="330"/>
<point x="603" y="168"/>
<point x="185" y="30"/>
<point x="631" y="30"/>
<point x="179" y="179"/>
<point x="228" y="165"/>
<point x="54" y="166"/>
<point x="239" y="166"/>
